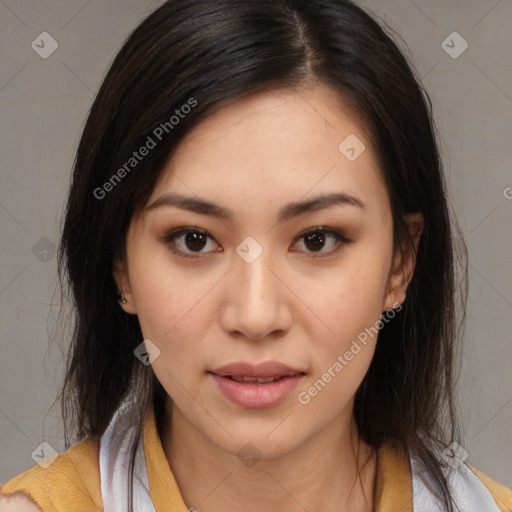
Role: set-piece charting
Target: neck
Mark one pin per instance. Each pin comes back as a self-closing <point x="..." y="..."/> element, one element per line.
<point x="334" y="470"/>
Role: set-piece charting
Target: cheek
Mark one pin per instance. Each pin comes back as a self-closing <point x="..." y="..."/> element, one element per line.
<point x="348" y="300"/>
<point x="349" y="304"/>
<point x="342" y="354"/>
<point x="172" y="308"/>
<point x="170" y="313"/>
<point x="166" y="297"/>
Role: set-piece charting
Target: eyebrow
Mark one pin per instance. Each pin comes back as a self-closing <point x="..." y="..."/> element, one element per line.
<point x="203" y="207"/>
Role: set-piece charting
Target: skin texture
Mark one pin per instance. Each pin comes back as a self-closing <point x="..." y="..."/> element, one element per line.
<point x="18" y="503"/>
<point x="289" y="305"/>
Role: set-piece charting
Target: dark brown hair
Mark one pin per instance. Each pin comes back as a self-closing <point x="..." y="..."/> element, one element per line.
<point x="216" y="52"/>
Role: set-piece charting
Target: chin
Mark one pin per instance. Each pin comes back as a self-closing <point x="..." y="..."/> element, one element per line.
<point x="259" y="439"/>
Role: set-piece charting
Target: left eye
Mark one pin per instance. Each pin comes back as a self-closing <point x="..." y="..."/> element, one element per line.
<point x="317" y="237"/>
<point x="196" y="239"/>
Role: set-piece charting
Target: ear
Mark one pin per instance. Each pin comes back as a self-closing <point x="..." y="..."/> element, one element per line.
<point x="120" y="272"/>
<point x="404" y="262"/>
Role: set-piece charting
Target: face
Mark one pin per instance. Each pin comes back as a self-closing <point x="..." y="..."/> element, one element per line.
<point x="259" y="279"/>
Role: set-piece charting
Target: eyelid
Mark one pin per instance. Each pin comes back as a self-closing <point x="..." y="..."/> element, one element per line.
<point x="325" y="229"/>
<point x="338" y="234"/>
<point x="170" y="236"/>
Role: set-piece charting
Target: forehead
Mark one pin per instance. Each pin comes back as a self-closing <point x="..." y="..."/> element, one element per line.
<point x="274" y="147"/>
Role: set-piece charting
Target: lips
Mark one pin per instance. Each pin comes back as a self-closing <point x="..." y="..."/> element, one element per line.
<point x="256" y="385"/>
<point x="256" y="380"/>
<point x="256" y="372"/>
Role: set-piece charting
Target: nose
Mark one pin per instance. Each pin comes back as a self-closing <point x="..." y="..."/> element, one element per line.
<point x="258" y="300"/>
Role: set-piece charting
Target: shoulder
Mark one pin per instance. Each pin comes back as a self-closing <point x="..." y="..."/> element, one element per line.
<point x="502" y="495"/>
<point x="470" y="488"/>
<point x="18" y="503"/>
<point x="71" y="480"/>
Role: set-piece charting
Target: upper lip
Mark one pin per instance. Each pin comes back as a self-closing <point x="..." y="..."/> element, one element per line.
<point x="266" y="369"/>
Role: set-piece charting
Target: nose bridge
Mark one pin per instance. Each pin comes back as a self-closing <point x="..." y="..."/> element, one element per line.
<point x="253" y="277"/>
<point x="256" y="300"/>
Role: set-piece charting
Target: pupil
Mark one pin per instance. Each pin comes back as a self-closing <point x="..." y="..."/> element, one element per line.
<point x="197" y="241"/>
<point x="194" y="239"/>
<point x="316" y="238"/>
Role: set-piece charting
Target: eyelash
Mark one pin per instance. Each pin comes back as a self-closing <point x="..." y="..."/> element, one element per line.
<point x="169" y="238"/>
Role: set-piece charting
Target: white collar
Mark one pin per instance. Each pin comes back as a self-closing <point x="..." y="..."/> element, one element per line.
<point x="114" y="457"/>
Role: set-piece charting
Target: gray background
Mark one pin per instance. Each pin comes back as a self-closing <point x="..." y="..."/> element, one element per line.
<point x="43" y="104"/>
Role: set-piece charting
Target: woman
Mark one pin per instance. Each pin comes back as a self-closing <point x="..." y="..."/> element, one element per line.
<point x="259" y="249"/>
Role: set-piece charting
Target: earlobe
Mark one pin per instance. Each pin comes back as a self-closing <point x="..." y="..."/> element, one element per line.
<point x="404" y="263"/>
<point x="395" y="288"/>
<point x="125" y="296"/>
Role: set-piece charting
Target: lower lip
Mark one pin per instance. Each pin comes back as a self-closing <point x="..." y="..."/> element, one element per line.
<point x="254" y="395"/>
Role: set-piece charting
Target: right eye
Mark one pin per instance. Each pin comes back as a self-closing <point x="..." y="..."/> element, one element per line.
<point x="181" y="239"/>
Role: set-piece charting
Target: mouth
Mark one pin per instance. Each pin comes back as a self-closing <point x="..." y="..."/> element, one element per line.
<point x="256" y="380"/>
<point x="256" y="372"/>
<point x="261" y="385"/>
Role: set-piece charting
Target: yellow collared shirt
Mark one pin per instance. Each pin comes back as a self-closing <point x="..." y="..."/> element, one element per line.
<point x="72" y="482"/>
